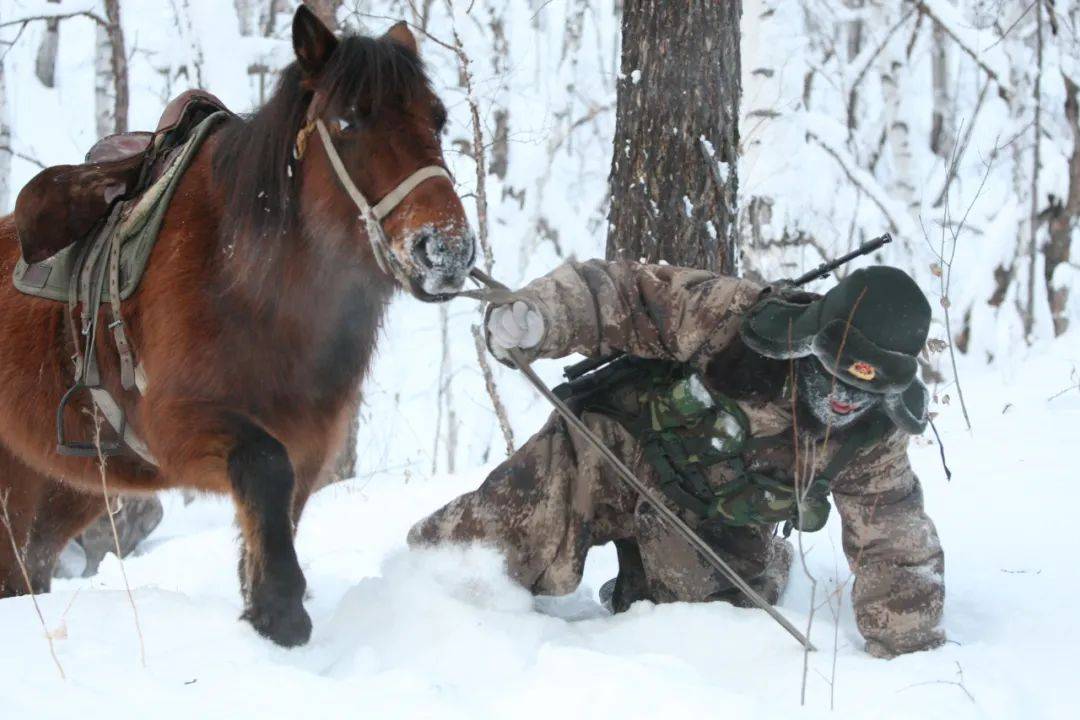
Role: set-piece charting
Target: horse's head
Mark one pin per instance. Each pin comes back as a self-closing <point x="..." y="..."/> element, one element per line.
<point x="369" y="152"/>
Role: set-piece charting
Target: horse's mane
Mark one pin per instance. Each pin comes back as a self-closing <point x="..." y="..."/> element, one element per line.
<point x="254" y="157"/>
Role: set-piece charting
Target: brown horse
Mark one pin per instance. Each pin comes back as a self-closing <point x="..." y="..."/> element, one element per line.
<point x="256" y="319"/>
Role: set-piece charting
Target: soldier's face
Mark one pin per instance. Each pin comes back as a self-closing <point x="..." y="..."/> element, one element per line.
<point x="828" y="400"/>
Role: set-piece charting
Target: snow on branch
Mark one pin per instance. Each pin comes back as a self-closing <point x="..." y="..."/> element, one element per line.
<point x="52" y="11"/>
<point x="949" y="20"/>
<point x="826" y="133"/>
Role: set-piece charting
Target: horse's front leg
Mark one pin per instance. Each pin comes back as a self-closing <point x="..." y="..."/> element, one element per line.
<point x="263" y="483"/>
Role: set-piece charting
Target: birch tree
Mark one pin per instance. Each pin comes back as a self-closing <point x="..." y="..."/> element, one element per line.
<point x="110" y="74"/>
<point x="45" y="67"/>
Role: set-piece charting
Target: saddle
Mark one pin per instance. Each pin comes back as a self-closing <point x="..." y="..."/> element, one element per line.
<point x="65" y="203"/>
<point x="86" y="232"/>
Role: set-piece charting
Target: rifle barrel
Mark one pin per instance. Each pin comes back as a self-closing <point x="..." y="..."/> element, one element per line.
<point x="825" y="268"/>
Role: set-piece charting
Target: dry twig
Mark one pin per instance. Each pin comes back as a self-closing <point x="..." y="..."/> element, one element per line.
<point x="945" y="275"/>
<point x="958" y="683"/>
<point x="116" y="535"/>
<point x="26" y="578"/>
<point x="489" y="381"/>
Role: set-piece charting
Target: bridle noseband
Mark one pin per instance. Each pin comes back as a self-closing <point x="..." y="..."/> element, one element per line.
<point x="372" y="215"/>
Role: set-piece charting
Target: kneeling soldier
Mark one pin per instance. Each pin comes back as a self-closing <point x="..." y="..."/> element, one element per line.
<point x="735" y="401"/>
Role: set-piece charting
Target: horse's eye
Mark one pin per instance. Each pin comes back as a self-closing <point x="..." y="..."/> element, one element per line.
<point x="438" y="117"/>
<point x="343" y="125"/>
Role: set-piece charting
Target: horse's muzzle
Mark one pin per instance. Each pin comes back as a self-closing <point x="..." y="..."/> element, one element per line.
<point x="441" y="261"/>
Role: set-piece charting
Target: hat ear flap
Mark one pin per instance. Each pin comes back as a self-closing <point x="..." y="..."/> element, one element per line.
<point x="778" y="329"/>
<point x="909" y="410"/>
<point x="771" y="348"/>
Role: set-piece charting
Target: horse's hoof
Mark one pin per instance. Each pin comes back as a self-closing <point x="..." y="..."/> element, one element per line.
<point x="288" y="625"/>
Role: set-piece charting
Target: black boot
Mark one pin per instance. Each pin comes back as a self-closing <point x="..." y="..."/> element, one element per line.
<point x="619" y="593"/>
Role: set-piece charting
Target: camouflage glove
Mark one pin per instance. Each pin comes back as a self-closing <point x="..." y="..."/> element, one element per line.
<point x="925" y="641"/>
<point x="515" y="326"/>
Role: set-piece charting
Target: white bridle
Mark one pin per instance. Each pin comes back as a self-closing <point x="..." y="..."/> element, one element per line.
<point x="372" y="215"/>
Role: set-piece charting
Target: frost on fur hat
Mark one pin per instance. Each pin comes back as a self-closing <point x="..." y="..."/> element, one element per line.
<point x="866" y="331"/>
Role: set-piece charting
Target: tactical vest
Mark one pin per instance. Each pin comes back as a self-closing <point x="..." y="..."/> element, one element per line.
<point x="684" y="429"/>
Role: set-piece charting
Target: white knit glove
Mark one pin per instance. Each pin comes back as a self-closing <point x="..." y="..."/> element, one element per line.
<point x="517" y="325"/>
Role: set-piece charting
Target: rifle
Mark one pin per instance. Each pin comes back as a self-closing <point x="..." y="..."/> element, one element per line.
<point x="577" y="370"/>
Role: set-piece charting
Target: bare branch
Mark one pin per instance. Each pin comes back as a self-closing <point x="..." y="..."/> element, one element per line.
<point x="22" y="156"/>
<point x="493" y="392"/>
<point x="954" y="166"/>
<point x="59" y="16"/>
<point x="1003" y="89"/>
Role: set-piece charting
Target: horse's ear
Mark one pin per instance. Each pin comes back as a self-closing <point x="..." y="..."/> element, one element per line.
<point x="402" y="35"/>
<point x="313" y="42"/>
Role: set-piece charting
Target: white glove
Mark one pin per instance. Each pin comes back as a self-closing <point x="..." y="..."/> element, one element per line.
<point x="514" y="326"/>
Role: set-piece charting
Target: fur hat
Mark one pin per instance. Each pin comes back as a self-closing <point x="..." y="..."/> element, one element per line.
<point x="867" y="331"/>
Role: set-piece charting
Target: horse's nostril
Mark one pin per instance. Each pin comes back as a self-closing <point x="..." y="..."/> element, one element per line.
<point x="422" y="250"/>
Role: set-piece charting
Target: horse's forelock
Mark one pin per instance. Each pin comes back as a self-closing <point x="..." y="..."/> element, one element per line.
<point x="253" y="157"/>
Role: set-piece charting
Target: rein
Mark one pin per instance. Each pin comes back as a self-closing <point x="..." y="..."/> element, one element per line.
<point x="371" y="215"/>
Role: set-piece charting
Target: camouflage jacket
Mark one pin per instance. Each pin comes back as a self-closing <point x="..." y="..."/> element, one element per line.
<point x="693" y="316"/>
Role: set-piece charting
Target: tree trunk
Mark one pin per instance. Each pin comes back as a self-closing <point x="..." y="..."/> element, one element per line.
<point x="943" y="120"/>
<point x="103" y="104"/>
<point x="269" y="18"/>
<point x="1063" y="217"/>
<point x="673" y="174"/>
<point x="45" y="66"/>
<point x="194" y="66"/>
<point x="245" y="17"/>
<point x="118" y="62"/>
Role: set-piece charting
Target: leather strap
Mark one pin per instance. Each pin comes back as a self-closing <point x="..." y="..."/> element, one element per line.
<point x="114" y="415"/>
<point x="373" y="217"/>
<point x="123" y="347"/>
<point x="398" y="194"/>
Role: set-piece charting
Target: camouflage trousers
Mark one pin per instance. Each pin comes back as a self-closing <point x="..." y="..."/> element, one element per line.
<point x="556" y="497"/>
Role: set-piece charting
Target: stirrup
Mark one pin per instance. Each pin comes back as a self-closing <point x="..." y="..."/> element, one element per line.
<point x="85" y="449"/>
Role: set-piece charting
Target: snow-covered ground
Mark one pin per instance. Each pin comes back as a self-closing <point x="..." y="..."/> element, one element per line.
<point x="445" y="634"/>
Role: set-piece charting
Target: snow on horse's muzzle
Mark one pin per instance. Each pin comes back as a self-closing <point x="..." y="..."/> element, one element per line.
<point x="436" y="260"/>
<point x="441" y="260"/>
